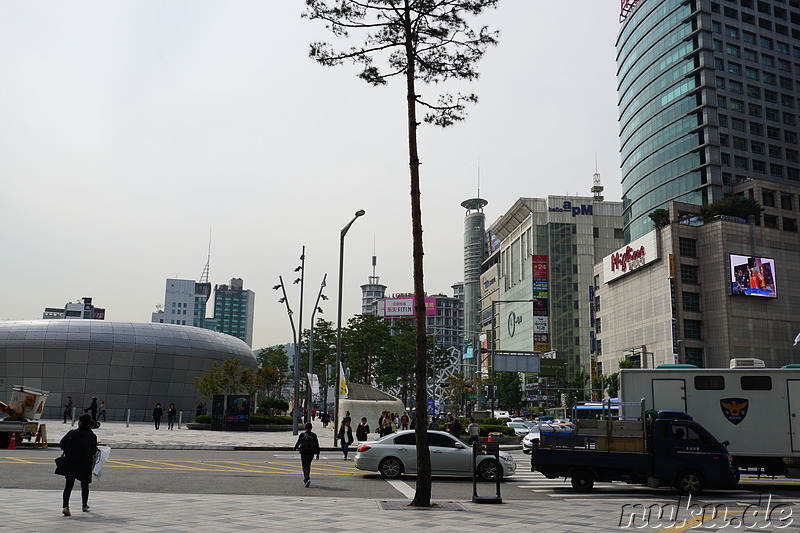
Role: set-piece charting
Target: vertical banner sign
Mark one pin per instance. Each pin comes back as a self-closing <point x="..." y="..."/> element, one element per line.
<point x="541" y="307"/>
<point x="674" y="316"/>
<point x="342" y="382"/>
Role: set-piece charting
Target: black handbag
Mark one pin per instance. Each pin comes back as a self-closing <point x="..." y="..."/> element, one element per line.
<point x="61" y="465"/>
<point x="61" y="462"/>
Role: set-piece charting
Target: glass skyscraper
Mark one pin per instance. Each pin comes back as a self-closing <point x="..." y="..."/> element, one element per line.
<point x="233" y="310"/>
<point x="707" y="98"/>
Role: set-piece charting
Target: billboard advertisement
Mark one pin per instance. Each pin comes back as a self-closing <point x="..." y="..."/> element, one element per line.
<point x="752" y="276"/>
<point x="405" y="307"/>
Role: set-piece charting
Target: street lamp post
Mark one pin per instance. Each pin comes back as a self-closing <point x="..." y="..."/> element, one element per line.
<point x="310" y="397"/>
<point x="285" y="300"/>
<point x="337" y="379"/>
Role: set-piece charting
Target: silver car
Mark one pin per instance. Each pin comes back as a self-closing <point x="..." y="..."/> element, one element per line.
<point x="396" y="454"/>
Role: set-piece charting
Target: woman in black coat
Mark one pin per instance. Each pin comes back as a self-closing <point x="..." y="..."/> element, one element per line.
<point x="79" y="447"/>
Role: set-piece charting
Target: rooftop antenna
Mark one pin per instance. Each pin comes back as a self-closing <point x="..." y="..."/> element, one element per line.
<point x="373" y="279"/>
<point x="206" y="269"/>
<point x="597" y="188"/>
<point x="479" y="177"/>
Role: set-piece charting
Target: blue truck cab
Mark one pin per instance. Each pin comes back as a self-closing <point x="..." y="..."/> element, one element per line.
<point x="667" y="448"/>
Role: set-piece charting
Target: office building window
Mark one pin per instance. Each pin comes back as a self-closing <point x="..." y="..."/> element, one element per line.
<point x="694" y="356"/>
<point x="688" y="247"/>
<point x="690" y="274"/>
<point x="691" y="301"/>
<point x="768" y="198"/>
<point x="790" y="224"/>
<point x="770" y="221"/>
<point x="691" y="329"/>
<point x="756" y="147"/>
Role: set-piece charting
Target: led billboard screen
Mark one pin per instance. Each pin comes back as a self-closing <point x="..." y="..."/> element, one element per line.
<point x="753" y="276"/>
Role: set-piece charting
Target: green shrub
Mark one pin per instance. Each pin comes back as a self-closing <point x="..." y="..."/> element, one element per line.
<point x="271" y="420"/>
<point x="273" y="405"/>
<point x="491" y="428"/>
<point x="254" y="419"/>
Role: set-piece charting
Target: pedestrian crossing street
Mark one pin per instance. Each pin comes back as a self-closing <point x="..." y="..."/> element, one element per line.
<point x="562" y="489"/>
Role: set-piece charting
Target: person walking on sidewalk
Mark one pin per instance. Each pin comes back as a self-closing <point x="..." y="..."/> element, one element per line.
<point x="474" y="431"/>
<point x="102" y="410"/>
<point x="362" y="430"/>
<point x="308" y="446"/>
<point x="345" y="436"/>
<point x="172" y="414"/>
<point x="158" y="414"/>
<point x="68" y="409"/>
<point x="325" y="417"/>
<point x="79" y="447"/>
<point x="92" y="408"/>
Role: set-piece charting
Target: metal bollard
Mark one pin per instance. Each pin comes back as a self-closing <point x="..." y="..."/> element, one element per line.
<point x="128" y="419"/>
<point x="180" y="419"/>
<point x="72" y="424"/>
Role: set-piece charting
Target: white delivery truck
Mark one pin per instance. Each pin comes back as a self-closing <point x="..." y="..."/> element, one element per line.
<point x="756" y="409"/>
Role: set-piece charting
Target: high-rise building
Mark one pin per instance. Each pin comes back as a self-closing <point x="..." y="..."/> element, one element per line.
<point x="83" y="310"/>
<point x="708" y="97"/>
<point x="474" y="254"/>
<point x="233" y="310"/>
<point x="184" y="303"/>
<point x="540" y="273"/>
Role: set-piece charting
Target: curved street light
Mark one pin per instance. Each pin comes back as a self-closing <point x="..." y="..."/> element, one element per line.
<point x="337" y="380"/>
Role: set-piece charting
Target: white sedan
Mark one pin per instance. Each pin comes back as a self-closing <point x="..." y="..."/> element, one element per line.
<point x="396" y="454"/>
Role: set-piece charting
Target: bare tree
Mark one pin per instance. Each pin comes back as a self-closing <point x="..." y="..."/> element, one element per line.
<point x="422" y="40"/>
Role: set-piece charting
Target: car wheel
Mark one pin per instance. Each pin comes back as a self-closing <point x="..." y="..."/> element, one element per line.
<point x="582" y="480"/>
<point x="489" y="470"/>
<point x="689" y="482"/>
<point x="390" y="468"/>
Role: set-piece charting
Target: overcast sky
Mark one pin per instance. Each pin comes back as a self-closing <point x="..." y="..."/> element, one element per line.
<point x="129" y="129"/>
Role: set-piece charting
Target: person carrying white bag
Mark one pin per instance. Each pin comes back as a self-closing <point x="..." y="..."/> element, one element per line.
<point x="100" y="459"/>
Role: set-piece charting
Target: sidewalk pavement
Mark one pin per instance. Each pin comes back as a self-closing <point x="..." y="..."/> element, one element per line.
<point x="141" y="435"/>
<point x="40" y="511"/>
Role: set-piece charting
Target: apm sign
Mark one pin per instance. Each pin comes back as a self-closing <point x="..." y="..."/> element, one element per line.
<point x="576" y="210"/>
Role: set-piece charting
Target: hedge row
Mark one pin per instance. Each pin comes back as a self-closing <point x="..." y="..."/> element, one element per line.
<point x="254" y="419"/>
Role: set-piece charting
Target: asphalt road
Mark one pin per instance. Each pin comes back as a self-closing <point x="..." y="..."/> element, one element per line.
<point x="278" y="473"/>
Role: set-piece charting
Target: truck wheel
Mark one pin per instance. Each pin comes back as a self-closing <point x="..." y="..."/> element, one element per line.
<point x="689" y="482"/>
<point x="391" y="468"/>
<point x="489" y="470"/>
<point x="582" y="480"/>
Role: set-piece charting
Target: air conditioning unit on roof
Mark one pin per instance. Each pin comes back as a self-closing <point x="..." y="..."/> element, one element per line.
<point x="747" y="362"/>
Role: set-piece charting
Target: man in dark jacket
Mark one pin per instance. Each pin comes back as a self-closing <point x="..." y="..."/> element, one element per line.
<point x="93" y="409"/>
<point x="79" y="447"/>
<point x="68" y="409"/>
<point x="308" y="446"/>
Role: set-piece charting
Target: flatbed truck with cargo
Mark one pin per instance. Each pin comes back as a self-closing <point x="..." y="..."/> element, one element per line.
<point x="667" y="448"/>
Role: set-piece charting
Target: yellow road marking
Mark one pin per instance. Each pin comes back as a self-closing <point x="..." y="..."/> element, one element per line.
<point x="26" y="461"/>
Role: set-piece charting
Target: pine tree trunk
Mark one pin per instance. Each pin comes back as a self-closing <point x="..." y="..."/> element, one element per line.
<point x="422" y="497"/>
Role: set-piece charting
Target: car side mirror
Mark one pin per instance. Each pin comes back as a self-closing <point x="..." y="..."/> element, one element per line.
<point x="460" y="446"/>
<point x="726" y="443"/>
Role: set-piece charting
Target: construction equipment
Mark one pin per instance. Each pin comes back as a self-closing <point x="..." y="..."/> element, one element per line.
<point x="24" y="411"/>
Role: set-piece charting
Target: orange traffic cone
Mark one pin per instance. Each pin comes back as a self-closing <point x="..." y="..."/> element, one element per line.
<point x="490" y="438"/>
<point x="12" y="445"/>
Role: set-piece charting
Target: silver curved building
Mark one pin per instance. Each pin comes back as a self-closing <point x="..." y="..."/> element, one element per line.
<point x="129" y="365"/>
